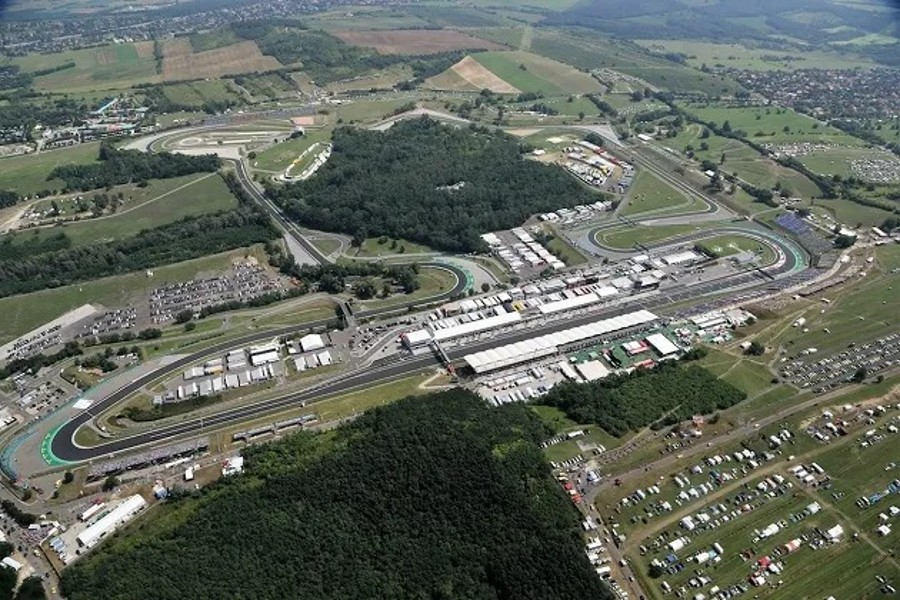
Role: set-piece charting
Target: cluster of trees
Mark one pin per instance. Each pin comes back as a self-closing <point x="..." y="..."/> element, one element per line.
<point x="31" y="588"/>
<point x="189" y="238"/>
<point x="8" y="198"/>
<point x="38" y="361"/>
<point x="117" y="167"/>
<point x="50" y="113"/>
<point x="99" y="361"/>
<point x="437" y="497"/>
<point x="19" y="516"/>
<point x="333" y="278"/>
<point x="426" y="182"/>
<point x="668" y="394"/>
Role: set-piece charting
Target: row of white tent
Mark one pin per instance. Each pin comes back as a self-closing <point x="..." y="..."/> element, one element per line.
<point x="546" y="345"/>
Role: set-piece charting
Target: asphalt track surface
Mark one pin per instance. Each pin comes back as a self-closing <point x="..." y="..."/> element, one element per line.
<point x="64" y="447"/>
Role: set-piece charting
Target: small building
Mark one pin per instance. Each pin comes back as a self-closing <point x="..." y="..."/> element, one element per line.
<point x="233" y="466"/>
<point x="592" y="370"/>
<point x="834" y="534"/>
<point x="418" y="338"/>
<point x="312" y="342"/>
<point x="663" y="346"/>
<point x="10" y="563"/>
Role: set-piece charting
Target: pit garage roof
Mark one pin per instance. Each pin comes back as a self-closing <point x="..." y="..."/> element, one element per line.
<point x="545" y="345"/>
<point x="477" y="326"/>
<point x="662" y="344"/>
<point x="568" y="303"/>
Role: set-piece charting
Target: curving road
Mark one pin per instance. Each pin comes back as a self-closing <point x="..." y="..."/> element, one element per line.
<point x="64" y="448"/>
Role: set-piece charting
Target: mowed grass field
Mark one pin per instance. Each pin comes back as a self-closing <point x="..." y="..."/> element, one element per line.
<point x="27" y="174"/>
<point x="624" y="238"/>
<point x="111" y="67"/>
<point x="766" y="125"/>
<point x="161" y="202"/>
<point x="649" y="193"/>
<point x="25" y="312"/>
<point x="280" y="156"/>
<point x="729" y="245"/>
<point x="197" y="93"/>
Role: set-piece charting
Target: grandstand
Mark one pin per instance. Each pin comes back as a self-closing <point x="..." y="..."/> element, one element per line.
<point x="821" y="249"/>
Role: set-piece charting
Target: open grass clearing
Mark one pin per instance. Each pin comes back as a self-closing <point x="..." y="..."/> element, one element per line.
<point x="279" y="157"/>
<point x="649" y="193"/>
<point x="432" y="281"/>
<point x="365" y="17"/>
<point x="374" y="247"/>
<point x="27" y="174"/>
<point x="368" y="110"/>
<point x="859" y="311"/>
<point x="198" y="93"/>
<point x="25" y="312"/>
<point x="624" y="238"/>
<point x="767" y="124"/>
<point x="566" y="251"/>
<point x="242" y="57"/>
<point x="566" y="78"/>
<point x="160" y="203"/>
<point x="729" y="245"/>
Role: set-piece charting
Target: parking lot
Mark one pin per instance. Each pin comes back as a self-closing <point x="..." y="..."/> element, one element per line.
<point x="808" y="370"/>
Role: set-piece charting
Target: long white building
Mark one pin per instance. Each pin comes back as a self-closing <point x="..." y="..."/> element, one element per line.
<point x="546" y="345"/>
<point x="110" y="522"/>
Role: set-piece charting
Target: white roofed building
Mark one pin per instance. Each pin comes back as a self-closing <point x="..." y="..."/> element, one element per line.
<point x="312" y="342"/>
<point x="663" y="346"/>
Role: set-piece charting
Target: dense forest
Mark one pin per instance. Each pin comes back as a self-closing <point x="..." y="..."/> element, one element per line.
<point x="434" y="184"/>
<point x="436" y="497"/>
<point x="117" y="167"/>
<point x="666" y="395"/>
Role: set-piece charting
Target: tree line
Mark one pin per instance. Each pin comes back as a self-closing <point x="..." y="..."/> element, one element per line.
<point x="423" y="181"/>
<point x="437" y="497"/>
<point x="31" y="587"/>
<point x="666" y="395"/>
<point x="191" y="237"/>
<point x="117" y="167"/>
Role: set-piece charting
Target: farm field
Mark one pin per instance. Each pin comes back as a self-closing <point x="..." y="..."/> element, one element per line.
<point x="365" y="18"/>
<point x="507" y="66"/>
<point x="111" y="67"/>
<point x="280" y="156"/>
<point x="161" y="202"/>
<point x="649" y="193"/>
<point x="585" y="51"/>
<point x="25" y="312"/>
<point x="766" y="125"/>
<point x="738" y="56"/>
<point x="181" y="62"/>
<point x="414" y="41"/>
<point x="563" y="76"/>
<point x="27" y="174"/>
<point x="470" y="75"/>
<point x="210" y="40"/>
